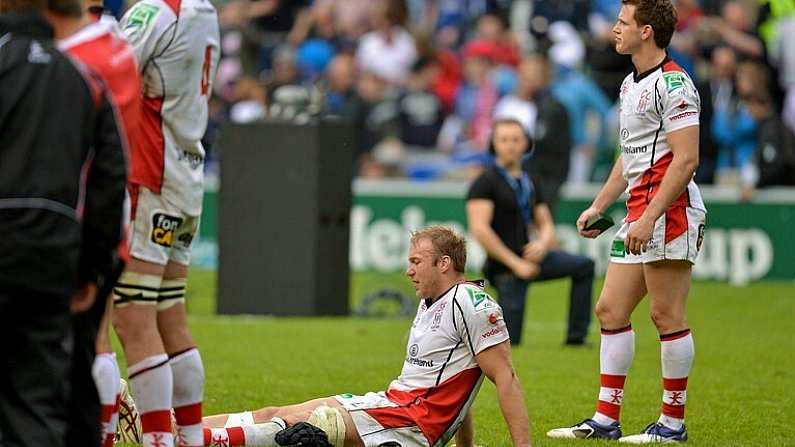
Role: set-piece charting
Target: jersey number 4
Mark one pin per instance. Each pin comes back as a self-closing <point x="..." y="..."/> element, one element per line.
<point x="205" y="83"/>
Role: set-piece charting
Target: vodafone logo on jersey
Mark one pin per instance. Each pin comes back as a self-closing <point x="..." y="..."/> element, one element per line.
<point x="683" y="115"/>
<point x="492" y="332"/>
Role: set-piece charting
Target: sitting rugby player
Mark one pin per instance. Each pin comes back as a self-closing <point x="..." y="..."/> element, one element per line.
<point x="457" y="338"/>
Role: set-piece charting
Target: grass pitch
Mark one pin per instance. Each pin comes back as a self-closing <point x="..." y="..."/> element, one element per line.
<point x="741" y="391"/>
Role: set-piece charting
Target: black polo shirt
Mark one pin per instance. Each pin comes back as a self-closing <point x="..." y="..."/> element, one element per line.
<point x="507" y="219"/>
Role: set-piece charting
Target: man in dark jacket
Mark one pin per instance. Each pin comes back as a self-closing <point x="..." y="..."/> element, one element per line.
<point x="62" y="177"/>
<point x="774" y="157"/>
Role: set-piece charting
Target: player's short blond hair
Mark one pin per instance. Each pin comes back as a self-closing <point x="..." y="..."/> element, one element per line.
<point x="446" y="242"/>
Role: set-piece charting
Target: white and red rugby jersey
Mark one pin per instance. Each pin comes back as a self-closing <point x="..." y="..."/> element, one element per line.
<point x="440" y="378"/>
<point x="176" y="43"/>
<point x="652" y="104"/>
<point x="101" y="47"/>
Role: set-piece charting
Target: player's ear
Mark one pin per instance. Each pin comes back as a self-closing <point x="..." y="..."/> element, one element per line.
<point x="647" y="32"/>
<point x="445" y="263"/>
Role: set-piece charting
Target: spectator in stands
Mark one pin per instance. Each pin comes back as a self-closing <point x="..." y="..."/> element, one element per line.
<point x="350" y="18"/>
<point x="773" y="161"/>
<point x="340" y="82"/>
<point x="284" y="72"/>
<point x="375" y="120"/>
<point x="420" y="111"/>
<point x="475" y="98"/>
<point x="583" y="99"/>
<point x="608" y="68"/>
<point x="545" y="13"/>
<point x="734" y="128"/>
<point x="266" y="25"/>
<point x="389" y="50"/>
<point x="492" y="29"/>
<point x="789" y="109"/>
<point x="783" y="53"/>
<point x="717" y="93"/>
<point x="546" y="120"/>
<point x="769" y="17"/>
<point x="734" y="29"/>
<point x="250" y="102"/>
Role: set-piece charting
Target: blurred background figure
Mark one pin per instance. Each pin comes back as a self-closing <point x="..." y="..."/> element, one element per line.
<point x="773" y="160"/>
<point x="387" y="51"/>
<point x="546" y="120"/>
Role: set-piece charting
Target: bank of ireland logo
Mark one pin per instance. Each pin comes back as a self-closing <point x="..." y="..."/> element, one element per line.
<point x="624" y="134"/>
<point x="414" y="350"/>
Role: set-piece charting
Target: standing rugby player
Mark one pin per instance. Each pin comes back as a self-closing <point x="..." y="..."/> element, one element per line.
<point x="655" y="248"/>
<point x="176" y="44"/>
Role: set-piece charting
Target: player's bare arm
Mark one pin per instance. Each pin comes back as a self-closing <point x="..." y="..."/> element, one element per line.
<point x="496" y="363"/>
<point x="537" y="249"/>
<point x="479" y="214"/>
<point x="684" y="146"/>
<point x="611" y="190"/>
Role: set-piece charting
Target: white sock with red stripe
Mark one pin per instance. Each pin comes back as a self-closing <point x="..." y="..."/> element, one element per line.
<point x="105" y="372"/>
<point x="255" y="435"/>
<point x="153" y="385"/>
<point x="188" y="376"/>
<point x="677" y="351"/>
<point x="615" y="358"/>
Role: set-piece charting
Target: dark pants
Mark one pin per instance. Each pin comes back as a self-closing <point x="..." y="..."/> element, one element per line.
<point x="557" y="264"/>
<point x="85" y="410"/>
<point x="35" y="349"/>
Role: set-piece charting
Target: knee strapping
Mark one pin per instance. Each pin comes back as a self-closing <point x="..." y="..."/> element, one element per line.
<point x="136" y="288"/>
<point x="330" y="421"/>
<point x="172" y="291"/>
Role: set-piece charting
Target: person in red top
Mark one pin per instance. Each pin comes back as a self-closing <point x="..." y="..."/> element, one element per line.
<point x="93" y="40"/>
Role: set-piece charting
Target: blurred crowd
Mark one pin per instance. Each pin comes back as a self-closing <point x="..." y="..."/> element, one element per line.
<point x="422" y="80"/>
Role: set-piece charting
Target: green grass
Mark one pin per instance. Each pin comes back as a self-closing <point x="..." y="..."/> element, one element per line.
<point x="741" y="390"/>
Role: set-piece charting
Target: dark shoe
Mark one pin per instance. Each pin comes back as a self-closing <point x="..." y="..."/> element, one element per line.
<point x="587" y="429"/>
<point x="302" y="434"/>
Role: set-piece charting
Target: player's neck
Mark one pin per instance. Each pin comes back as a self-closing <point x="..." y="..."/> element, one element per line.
<point x="446" y="284"/>
<point x="648" y="57"/>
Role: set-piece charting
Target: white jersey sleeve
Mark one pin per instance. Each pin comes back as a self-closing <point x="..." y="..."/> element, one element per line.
<point x="478" y="319"/>
<point x="679" y="100"/>
<point x="148" y="26"/>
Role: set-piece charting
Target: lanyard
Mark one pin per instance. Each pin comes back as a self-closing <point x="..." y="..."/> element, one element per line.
<point x="522" y="189"/>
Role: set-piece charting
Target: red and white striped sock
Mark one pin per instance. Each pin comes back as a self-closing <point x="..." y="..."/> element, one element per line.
<point x="188" y="376"/>
<point x="255" y="435"/>
<point x="105" y="372"/>
<point x="153" y="385"/>
<point x="615" y="358"/>
<point x="676" y="351"/>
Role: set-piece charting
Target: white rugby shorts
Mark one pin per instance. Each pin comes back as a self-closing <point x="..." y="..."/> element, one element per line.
<point x="378" y="420"/>
<point x="159" y="231"/>
<point x="677" y="235"/>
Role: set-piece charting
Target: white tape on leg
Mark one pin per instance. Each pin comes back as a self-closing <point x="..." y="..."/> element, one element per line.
<point x="330" y="421"/>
